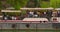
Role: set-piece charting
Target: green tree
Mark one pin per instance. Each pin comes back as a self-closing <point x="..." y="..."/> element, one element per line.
<point x="0" y="5"/>
<point x="37" y="3"/>
<point x="44" y="4"/>
<point x="17" y="4"/>
<point x="55" y="3"/>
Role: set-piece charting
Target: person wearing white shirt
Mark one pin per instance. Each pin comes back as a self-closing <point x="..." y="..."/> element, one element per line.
<point x="31" y="13"/>
<point x="13" y="18"/>
<point x="5" y="18"/>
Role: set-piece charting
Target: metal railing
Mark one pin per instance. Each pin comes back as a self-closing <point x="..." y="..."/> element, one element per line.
<point x="18" y="25"/>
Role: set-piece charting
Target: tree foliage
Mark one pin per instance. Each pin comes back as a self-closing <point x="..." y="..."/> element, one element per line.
<point x="45" y="4"/>
<point x="55" y="3"/>
<point x="17" y="4"/>
<point x="51" y="3"/>
<point x="0" y="5"/>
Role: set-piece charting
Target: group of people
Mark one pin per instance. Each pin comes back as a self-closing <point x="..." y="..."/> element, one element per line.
<point x="47" y="14"/>
<point x="44" y="14"/>
<point x="39" y="14"/>
<point x="7" y="17"/>
<point x="34" y="14"/>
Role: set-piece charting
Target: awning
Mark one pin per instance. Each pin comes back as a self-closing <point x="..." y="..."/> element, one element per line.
<point x="36" y="8"/>
<point x="10" y="11"/>
<point x="31" y="8"/>
<point x="57" y="9"/>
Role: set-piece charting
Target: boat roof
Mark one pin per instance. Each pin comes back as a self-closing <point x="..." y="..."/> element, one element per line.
<point x="35" y="19"/>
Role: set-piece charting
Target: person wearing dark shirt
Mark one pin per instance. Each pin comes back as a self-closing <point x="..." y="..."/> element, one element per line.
<point x="58" y="13"/>
<point x="49" y="14"/>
